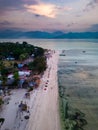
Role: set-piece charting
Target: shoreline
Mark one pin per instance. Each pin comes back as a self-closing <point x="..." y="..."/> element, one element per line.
<point x="43" y="104"/>
<point x="80" y="85"/>
<point x="49" y="113"/>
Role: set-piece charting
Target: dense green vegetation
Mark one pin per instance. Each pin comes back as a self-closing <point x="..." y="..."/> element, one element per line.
<point x="19" y="51"/>
<point x="12" y="54"/>
<point x="1" y="102"/>
<point x="39" y="64"/>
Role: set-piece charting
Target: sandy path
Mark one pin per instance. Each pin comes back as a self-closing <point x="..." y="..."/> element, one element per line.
<point x="45" y="114"/>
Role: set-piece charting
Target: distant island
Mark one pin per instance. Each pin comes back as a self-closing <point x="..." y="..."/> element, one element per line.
<point x="11" y="34"/>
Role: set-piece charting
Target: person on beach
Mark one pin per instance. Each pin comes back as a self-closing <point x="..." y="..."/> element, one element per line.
<point x="27" y="95"/>
<point x="1" y="121"/>
<point x="21" y="104"/>
<point x="20" y="109"/>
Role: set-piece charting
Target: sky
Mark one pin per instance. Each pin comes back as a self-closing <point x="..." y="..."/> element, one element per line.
<point x="49" y="15"/>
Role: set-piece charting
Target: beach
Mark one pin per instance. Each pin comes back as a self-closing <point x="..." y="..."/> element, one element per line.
<point x="77" y="73"/>
<point x="43" y="105"/>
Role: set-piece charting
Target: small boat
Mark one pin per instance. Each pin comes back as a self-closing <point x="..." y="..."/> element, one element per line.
<point x="62" y="55"/>
<point x="83" y="51"/>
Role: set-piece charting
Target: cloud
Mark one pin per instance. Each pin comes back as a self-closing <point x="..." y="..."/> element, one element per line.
<point x="78" y="15"/>
<point x="37" y="15"/>
<point x="90" y="5"/>
<point x="5" y="23"/>
<point x="9" y="5"/>
<point x="71" y="24"/>
<point x="14" y="3"/>
<point x="93" y="28"/>
<point x="47" y="10"/>
<point x="33" y="6"/>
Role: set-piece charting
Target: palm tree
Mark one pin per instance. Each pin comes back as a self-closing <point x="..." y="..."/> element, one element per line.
<point x="23" y="56"/>
<point x="16" y="77"/>
<point x="3" y="75"/>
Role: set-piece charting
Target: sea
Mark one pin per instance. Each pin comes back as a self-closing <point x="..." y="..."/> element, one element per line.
<point x="77" y="73"/>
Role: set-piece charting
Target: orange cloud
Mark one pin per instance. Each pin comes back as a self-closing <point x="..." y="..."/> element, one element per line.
<point x="47" y="10"/>
<point x="67" y="8"/>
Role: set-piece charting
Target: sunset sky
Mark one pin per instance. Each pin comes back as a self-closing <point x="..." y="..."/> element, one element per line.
<point x="49" y="15"/>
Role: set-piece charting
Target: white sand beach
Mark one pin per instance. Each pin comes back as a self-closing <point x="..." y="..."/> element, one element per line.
<point x="43" y="105"/>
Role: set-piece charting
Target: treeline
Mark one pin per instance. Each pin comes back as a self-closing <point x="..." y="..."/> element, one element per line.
<point x="13" y="54"/>
<point x="19" y="51"/>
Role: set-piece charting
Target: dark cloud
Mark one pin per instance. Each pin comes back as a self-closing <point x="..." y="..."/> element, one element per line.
<point x="7" y="5"/>
<point x="12" y="29"/>
<point x="5" y="23"/>
<point x="71" y="24"/>
<point x="90" y="5"/>
<point x="37" y="15"/>
<point x="93" y="28"/>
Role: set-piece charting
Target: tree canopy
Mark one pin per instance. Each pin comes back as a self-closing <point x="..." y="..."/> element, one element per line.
<point x="38" y="64"/>
<point x="16" y="50"/>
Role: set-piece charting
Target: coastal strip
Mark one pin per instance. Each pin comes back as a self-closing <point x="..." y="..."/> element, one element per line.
<point x="43" y="103"/>
<point x="45" y="113"/>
